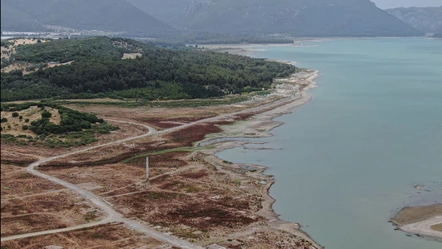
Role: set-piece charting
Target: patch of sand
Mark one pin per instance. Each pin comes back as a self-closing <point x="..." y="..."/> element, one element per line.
<point x="425" y="228"/>
<point x="28" y="68"/>
<point x="422" y="220"/>
<point x="411" y="215"/>
<point x="131" y="56"/>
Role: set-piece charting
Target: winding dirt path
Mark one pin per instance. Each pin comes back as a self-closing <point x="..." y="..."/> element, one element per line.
<point x="112" y="214"/>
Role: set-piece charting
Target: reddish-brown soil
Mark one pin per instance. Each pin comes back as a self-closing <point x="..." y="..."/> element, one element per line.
<point x="28" y="203"/>
<point x="16" y="182"/>
<point x="110" y="236"/>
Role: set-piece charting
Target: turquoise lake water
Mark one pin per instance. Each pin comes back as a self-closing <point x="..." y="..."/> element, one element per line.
<point x="351" y="157"/>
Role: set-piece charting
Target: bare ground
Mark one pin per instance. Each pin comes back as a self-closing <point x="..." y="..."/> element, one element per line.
<point x="109" y="236"/>
<point x="29" y="202"/>
<point x="192" y="194"/>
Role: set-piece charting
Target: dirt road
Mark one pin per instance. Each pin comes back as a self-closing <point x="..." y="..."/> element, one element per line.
<point x="111" y="214"/>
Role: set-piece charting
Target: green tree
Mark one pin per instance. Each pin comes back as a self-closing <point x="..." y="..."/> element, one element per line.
<point x="46" y="114"/>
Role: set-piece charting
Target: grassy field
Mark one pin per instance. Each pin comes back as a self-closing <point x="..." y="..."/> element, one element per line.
<point x="437" y="227"/>
<point x="411" y="215"/>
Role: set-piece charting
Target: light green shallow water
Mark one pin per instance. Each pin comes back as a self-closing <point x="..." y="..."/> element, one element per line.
<point x="350" y="157"/>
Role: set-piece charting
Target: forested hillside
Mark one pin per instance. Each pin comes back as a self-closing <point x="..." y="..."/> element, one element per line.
<point x="428" y="19"/>
<point x="115" y="16"/>
<point x="294" y="17"/>
<point x="98" y="70"/>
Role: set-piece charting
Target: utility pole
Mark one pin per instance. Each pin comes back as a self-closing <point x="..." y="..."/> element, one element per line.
<point x="147" y="172"/>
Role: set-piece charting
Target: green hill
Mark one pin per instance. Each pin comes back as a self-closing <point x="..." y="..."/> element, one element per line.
<point x="103" y="15"/>
<point x="295" y="17"/>
<point x="98" y="70"/>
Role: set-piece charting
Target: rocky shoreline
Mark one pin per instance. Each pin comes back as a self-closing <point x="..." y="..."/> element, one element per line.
<point x="258" y="126"/>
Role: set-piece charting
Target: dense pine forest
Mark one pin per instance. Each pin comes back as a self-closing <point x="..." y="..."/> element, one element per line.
<point x="97" y="69"/>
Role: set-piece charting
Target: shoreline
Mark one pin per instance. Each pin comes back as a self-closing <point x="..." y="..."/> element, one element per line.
<point x="421" y="228"/>
<point x="419" y="221"/>
<point x="424" y="228"/>
<point x="259" y="126"/>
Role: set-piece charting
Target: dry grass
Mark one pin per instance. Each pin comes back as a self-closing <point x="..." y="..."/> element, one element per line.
<point x="16" y="182"/>
<point x="437" y="227"/>
<point x="126" y="130"/>
<point x="28" y="203"/>
<point x="110" y="236"/>
<point x="411" y="215"/>
<point x="33" y="114"/>
<point x="155" y="116"/>
<point x="7" y="52"/>
<point x="25" y="67"/>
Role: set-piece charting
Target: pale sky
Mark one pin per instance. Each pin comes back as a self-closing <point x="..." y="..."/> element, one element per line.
<point x="385" y="4"/>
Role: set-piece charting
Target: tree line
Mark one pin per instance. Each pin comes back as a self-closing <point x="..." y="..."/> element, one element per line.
<point x="159" y="73"/>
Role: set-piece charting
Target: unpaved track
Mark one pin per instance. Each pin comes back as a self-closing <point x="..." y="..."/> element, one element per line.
<point x="113" y="215"/>
<point x="424" y="227"/>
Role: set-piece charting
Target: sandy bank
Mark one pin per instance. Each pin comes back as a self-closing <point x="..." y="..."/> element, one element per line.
<point x="421" y="220"/>
<point x="425" y="228"/>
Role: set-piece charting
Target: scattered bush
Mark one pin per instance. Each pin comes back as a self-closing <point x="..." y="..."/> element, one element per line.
<point x="75" y="128"/>
<point x="4" y="120"/>
<point x="46" y="114"/>
<point x="15" y="114"/>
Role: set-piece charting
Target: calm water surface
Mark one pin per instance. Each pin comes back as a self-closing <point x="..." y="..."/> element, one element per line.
<point x="350" y="157"/>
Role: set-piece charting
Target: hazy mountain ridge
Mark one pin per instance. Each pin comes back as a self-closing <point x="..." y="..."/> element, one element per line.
<point x="104" y="15"/>
<point x="296" y="17"/>
<point x="428" y="19"/>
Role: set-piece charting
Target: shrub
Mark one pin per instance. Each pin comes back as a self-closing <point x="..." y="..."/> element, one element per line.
<point x="27" y="120"/>
<point x="15" y="114"/>
<point x="25" y="127"/>
<point x="46" y="114"/>
<point x="21" y="117"/>
<point x="4" y="120"/>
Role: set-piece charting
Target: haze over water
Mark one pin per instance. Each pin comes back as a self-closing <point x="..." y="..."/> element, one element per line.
<point x="350" y="157"/>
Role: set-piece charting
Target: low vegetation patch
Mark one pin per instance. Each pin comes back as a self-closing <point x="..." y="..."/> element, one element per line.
<point x="50" y="124"/>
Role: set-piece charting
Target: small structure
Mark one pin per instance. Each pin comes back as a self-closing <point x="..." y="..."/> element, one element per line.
<point x="147" y="172"/>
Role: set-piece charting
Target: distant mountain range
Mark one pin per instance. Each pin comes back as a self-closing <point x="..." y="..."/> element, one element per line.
<point x="427" y="19"/>
<point x="294" y="17"/>
<point x="104" y="15"/>
<point x="160" y="18"/>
